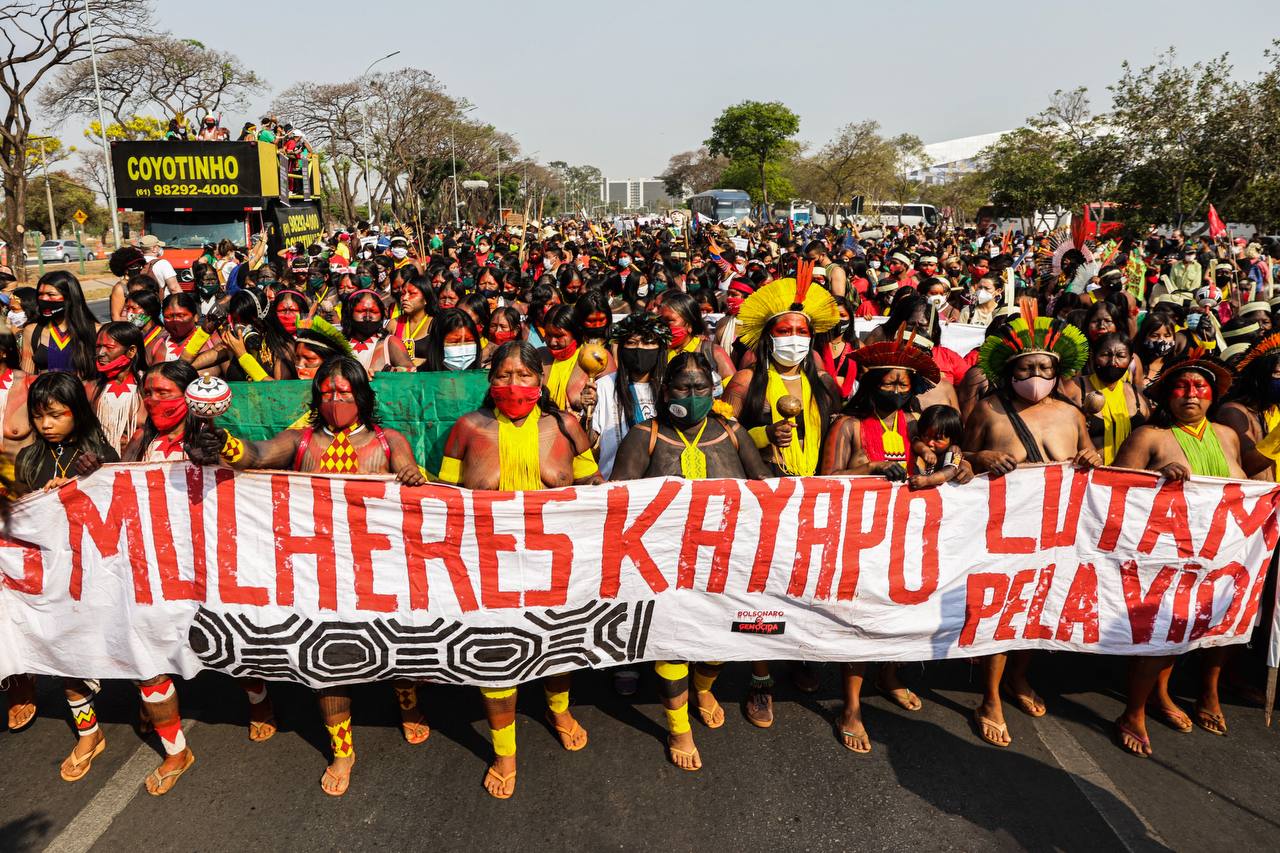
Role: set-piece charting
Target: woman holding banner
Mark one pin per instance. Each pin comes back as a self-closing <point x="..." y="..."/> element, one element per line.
<point x="1181" y="441"/>
<point x="519" y="441"/>
<point x="785" y="402"/>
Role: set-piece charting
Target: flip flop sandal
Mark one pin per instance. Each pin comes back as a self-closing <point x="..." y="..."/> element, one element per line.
<point x="166" y="781"/>
<point x="415" y="733"/>
<point x="911" y="702"/>
<point x="845" y="733"/>
<point x="26" y="714"/>
<point x="983" y="724"/>
<point x="1179" y="722"/>
<point x="262" y="731"/>
<point x="691" y="754"/>
<point x="501" y="780"/>
<point x="80" y="766"/>
<point x="341" y="784"/>
<point x="1122" y="731"/>
<point x="709" y="716"/>
<point x="565" y="734"/>
<point x="1204" y="718"/>
<point x="1026" y="704"/>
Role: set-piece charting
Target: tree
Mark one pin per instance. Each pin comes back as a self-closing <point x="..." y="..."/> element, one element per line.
<point x="69" y="195"/>
<point x="692" y="172"/>
<point x="1024" y="170"/>
<point x="857" y="161"/>
<point x="158" y="72"/>
<point x="133" y="129"/>
<point x="756" y="133"/>
<point x="743" y="175"/>
<point x="35" y="39"/>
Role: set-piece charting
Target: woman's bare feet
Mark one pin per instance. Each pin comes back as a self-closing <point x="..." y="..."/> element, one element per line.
<point x="164" y="777"/>
<point x="1023" y="695"/>
<point x="1209" y="714"/>
<point x="989" y="718"/>
<point x="891" y="686"/>
<point x="682" y="752"/>
<point x="573" y="737"/>
<point x="852" y="733"/>
<point x="1131" y="732"/>
<point x="414" y="725"/>
<point x="22" y="702"/>
<point x="500" y="779"/>
<point x="337" y="776"/>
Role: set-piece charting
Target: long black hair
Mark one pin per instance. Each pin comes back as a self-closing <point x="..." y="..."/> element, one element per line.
<point x="86" y="435"/>
<point x="80" y="322"/>
<point x="561" y="317"/>
<point x="449" y="320"/>
<point x="756" y="410"/>
<point x="642" y="327"/>
<point x="361" y="389"/>
<point x="181" y="374"/>
<point x="126" y="335"/>
<point x="349" y="304"/>
<point x="686" y="307"/>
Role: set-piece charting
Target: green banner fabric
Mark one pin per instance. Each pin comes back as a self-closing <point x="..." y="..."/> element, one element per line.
<point x="423" y="406"/>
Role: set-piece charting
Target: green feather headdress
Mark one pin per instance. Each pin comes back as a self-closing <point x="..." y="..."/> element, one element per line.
<point x="1056" y="338"/>
<point x="325" y="339"/>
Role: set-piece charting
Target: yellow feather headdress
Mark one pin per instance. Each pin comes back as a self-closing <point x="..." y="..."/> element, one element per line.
<point x="785" y="296"/>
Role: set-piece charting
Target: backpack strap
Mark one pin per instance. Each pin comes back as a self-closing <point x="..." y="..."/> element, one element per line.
<point x="386" y="445"/>
<point x="653" y="435"/>
<point x="728" y="428"/>
<point x="303" y="444"/>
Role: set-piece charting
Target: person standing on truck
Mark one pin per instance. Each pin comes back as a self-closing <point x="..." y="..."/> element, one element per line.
<point x="161" y="270"/>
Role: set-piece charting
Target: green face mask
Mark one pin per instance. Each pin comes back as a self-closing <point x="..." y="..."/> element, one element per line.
<point x="687" y="411"/>
<point x="468" y="282"/>
<point x="365" y="280"/>
<point x="316" y="282"/>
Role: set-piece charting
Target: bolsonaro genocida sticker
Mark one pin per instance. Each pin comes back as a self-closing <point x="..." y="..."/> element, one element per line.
<point x="767" y="622"/>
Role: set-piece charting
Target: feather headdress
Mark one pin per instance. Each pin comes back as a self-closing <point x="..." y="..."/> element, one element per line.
<point x="785" y="296"/>
<point x="901" y="353"/>
<point x="326" y="340"/>
<point x="1029" y="333"/>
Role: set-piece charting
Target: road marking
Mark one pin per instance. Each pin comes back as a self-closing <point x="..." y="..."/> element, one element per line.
<point x="95" y="818"/>
<point x="1132" y="829"/>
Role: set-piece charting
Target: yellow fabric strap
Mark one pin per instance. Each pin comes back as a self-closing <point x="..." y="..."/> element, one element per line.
<point x="558" y="381"/>
<point x="497" y="692"/>
<point x="893" y="442"/>
<point x="340" y="739"/>
<point x="703" y="683"/>
<point x="1115" y="417"/>
<point x="1269" y="446"/>
<point x="692" y="345"/>
<point x="759" y="437"/>
<point x="251" y="368"/>
<point x="669" y="671"/>
<point x="678" y="719"/>
<point x="557" y="701"/>
<point x="584" y="465"/>
<point x="693" y="462"/>
<point x="800" y="457"/>
<point x="504" y="740"/>
<point x="198" y="339"/>
<point x="519" y="456"/>
<point x="450" y="470"/>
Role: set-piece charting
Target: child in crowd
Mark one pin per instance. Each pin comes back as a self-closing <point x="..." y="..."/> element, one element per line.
<point x="936" y="448"/>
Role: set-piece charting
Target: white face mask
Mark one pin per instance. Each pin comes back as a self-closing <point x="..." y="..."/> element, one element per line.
<point x="624" y="262"/>
<point x="791" y="350"/>
<point x="547" y="263"/>
<point x="17" y="319"/>
<point x="984" y="297"/>
<point x="875" y="265"/>
<point x="459" y="356"/>
<point x="939" y="301"/>
<point x="399" y="253"/>
<point x="642" y="290"/>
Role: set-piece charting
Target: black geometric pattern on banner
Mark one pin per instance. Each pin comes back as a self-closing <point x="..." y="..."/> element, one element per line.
<point x="593" y="634"/>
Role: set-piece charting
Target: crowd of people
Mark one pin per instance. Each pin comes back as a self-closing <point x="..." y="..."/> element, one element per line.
<point x="815" y="353"/>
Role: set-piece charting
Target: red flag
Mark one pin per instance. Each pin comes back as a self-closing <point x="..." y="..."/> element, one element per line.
<point x="1216" y="226"/>
<point x="1083" y="227"/>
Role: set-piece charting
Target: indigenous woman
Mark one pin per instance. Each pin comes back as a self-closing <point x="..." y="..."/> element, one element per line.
<point x="504" y="326"/>
<point x="778" y="322"/>
<point x="1112" y="405"/>
<point x="142" y="309"/>
<point x="186" y="340"/>
<point x="565" y="379"/>
<point x="15" y="429"/>
<point x="114" y="393"/>
<point x="687" y="440"/>
<point x="629" y="395"/>
<point x="417" y="305"/>
<point x="519" y="441"/>
<point x="1253" y="410"/>
<point x="62" y="336"/>
<point x="837" y="352"/>
<point x="1181" y="441"/>
<point x="874" y="437"/>
<point x="364" y="322"/>
<point x="162" y="436"/>
<point x="681" y="313"/>
<point x="453" y="343"/>
<point x="343" y="437"/>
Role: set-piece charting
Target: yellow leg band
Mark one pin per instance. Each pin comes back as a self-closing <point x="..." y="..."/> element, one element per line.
<point x="678" y="719"/>
<point x="497" y="692"/>
<point x="671" y="671"/>
<point x="703" y="683"/>
<point x="340" y="739"/>
<point x="504" y="740"/>
<point x="557" y="703"/>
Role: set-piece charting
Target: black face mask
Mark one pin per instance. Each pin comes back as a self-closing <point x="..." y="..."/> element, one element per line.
<point x="365" y="329"/>
<point x="51" y="307"/>
<point x="637" y="361"/>
<point x="839" y="330"/>
<point x="890" y="401"/>
<point x="1158" y="348"/>
<point x="1109" y="373"/>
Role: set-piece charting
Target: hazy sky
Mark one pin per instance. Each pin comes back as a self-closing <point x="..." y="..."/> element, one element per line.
<point x="622" y="86"/>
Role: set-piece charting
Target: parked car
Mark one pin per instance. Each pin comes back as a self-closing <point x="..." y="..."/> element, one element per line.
<point x="65" y="250"/>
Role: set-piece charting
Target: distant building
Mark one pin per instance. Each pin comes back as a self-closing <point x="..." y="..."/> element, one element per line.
<point x="952" y="158"/>
<point x="633" y="194"/>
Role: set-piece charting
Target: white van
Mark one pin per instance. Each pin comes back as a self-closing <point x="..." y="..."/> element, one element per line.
<point x="910" y="214"/>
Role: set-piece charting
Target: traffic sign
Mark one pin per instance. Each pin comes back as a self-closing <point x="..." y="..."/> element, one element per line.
<point x="80" y="216"/>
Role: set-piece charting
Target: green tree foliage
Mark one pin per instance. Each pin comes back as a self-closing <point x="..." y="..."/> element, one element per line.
<point x="744" y="175"/>
<point x="69" y="195"/>
<point x="754" y="133"/>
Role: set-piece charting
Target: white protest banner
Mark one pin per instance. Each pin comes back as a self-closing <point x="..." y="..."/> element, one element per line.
<point x="170" y="568"/>
<point x="960" y="338"/>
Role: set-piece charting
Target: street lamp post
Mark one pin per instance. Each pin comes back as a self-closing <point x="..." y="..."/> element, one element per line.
<point x="453" y="159"/>
<point x="368" y="140"/>
<point x="499" y="184"/>
<point x="102" y="125"/>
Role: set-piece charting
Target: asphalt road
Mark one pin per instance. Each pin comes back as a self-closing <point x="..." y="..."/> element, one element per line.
<point x="929" y="783"/>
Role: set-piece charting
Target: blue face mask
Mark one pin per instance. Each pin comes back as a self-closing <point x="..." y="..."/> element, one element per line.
<point x="1275" y="390"/>
<point x="459" y="356"/>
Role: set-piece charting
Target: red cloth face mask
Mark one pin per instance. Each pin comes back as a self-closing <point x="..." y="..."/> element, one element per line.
<point x="166" y="414"/>
<point x="339" y="415"/>
<point x="112" y="368"/>
<point x="503" y="337"/>
<point x="515" y="401"/>
<point x="679" y="336"/>
<point x="733" y="303"/>
<point x="564" y="352"/>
